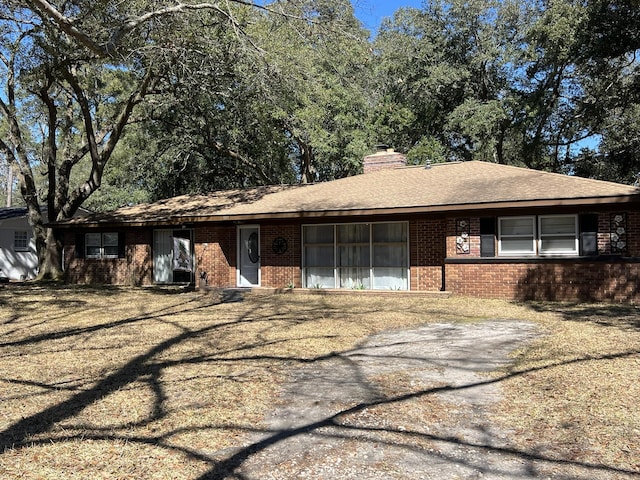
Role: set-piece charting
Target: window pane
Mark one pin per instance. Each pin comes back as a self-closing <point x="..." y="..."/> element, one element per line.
<point x="93" y="251"/>
<point x="390" y="278"/>
<point x="389" y="255"/>
<point x="558" y="244"/>
<point x="353" y="277"/>
<point x="111" y="251"/>
<point x="318" y="234"/>
<point x="319" y="278"/>
<point x="110" y="239"/>
<point x="93" y="240"/>
<point x="516" y="226"/>
<point x="557" y="225"/>
<point x="20" y="240"/>
<point x="353" y="256"/>
<point x="389" y="232"/>
<point x="517" y="245"/>
<point x="318" y="256"/>
<point x="358" y="233"/>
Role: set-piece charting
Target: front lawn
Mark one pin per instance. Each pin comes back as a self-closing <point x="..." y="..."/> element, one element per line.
<point x="160" y="384"/>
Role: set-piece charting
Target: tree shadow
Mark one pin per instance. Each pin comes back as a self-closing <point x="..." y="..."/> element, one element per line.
<point x="624" y="316"/>
<point x="609" y="279"/>
<point x="148" y="366"/>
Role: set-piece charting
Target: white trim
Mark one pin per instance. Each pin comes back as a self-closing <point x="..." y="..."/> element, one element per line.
<point x="511" y="253"/>
<point x="576" y="236"/>
<point x="538" y="236"/>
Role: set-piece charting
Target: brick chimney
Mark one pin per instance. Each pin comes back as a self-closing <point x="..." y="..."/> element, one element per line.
<point x="383" y="159"/>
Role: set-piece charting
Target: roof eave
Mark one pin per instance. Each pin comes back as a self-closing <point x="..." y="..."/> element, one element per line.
<point x="291" y="215"/>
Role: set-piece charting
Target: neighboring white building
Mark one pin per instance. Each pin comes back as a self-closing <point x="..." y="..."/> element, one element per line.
<point x="18" y="257"/>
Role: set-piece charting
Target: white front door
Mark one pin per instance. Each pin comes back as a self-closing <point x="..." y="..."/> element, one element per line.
<point x="248" y="256"/>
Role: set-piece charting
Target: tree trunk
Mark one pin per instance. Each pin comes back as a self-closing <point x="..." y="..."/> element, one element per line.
<point x="307" y="172"/>
<point x="50" y="257"/>
<point x="9" y="185"/>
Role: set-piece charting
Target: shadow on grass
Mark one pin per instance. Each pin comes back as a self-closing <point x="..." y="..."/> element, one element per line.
<point x="609" y="315"/>
<point x="149" y="365"/>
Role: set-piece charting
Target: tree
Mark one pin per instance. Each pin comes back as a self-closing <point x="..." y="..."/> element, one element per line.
<point x="444" y="80"/>
<point x="75" y="74"/>
<point x="511" y="81"/>
<point x="322" y="70"/>
<point x="296" y="111"/>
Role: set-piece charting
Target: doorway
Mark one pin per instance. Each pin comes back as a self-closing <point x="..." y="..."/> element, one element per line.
<point x="248" y="256"/>
<point x="172" y="256"/>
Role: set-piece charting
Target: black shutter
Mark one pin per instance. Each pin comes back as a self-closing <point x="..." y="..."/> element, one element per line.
<point x="121" y="245"/>
<point x="588" y="234"/>
<point x="79" y="245"/>
<point x="488" y="237"/>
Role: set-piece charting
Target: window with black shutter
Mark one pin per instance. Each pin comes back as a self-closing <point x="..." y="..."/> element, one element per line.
<point x="588" y="234"/>
<point x="488" y="237"/>
<point x="79" y="245"/>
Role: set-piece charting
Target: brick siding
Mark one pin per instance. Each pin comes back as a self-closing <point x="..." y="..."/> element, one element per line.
<point x="215" y="254"/>
<point x="555" y="281"/>
<point x="608" y="276"/>
<point x="281" y="270"/>
<point x="427" y="253"/>
<point x="437" y="261"/>
<point x="134" y="269"/>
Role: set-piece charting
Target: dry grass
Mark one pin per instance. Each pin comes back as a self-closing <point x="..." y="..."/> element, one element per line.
<point x="578" y="398"/>
<point x="130" y="383"/>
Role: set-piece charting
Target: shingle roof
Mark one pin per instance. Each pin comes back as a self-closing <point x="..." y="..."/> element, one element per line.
<point x="443" y="187"/>
<point x="12" y="212"/>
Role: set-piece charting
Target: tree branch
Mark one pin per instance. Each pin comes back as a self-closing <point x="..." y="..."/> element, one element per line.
<point x="100" y="158"/>
<point x="224" y="150"/>
<point x="66" y="24"/>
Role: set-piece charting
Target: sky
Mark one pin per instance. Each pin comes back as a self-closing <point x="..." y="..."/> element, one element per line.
<point x="371" y="12"/>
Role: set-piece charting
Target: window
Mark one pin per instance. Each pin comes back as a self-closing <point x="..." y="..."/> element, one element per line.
<point x="354" y="256"/>
<point x="487" y="237"/>
<point x="588" y="234"/>
<point x="558" y="234"/>
<point x="357" y="256"/>
<point x="542" y="235"/>
<point x="517" y="236"/>
<point x="20" y="241"/>
<point x="319" y="252"/>
<point x="390" y="256"/>
<point x="102" y="245"/>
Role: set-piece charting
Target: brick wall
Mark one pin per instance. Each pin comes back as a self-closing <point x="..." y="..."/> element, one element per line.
<point x="461" y="231"/>
<point x="438" y="260"/>
<point x="427" y="252"/>
<point x="215" y="254"/>
<point x="134" y="269"/>
<point x="612" y="275"/>
<point x="613" y="280"/>
<point x="281" y="269"/>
